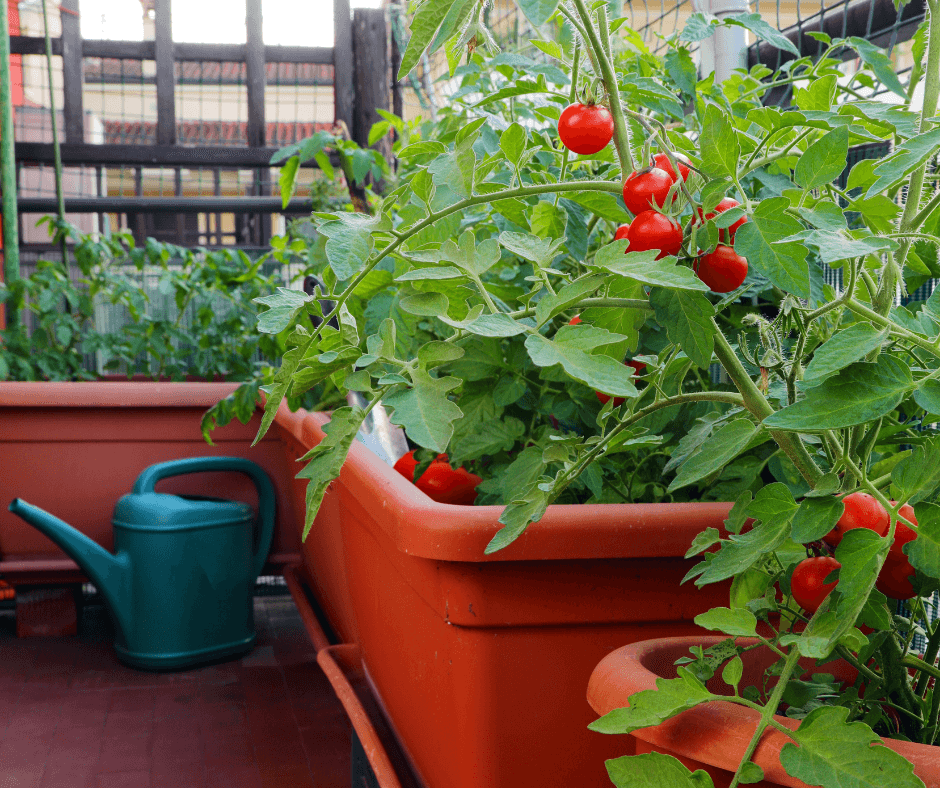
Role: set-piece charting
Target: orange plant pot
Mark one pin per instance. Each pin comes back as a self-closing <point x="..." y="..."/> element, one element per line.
<point x="74" y="449"/>
<point x="479" y="661"/>
<point x="714" y="737"/>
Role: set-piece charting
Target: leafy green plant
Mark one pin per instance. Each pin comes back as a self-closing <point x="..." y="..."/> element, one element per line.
<point x="497" y="237"/>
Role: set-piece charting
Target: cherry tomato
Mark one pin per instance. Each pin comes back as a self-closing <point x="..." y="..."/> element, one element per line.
<point x="895" y="578"/>
<point x="653" y="230"/>
<point x="903" y="534"/>
<point x="807" y="584"/>
<point x="722" y="270"/>
<point x="647" y="189"/>
<point x="585" y="128"/>
<point x="861" y="511"/>
<point x="621" y="232"/>
<point x="662" y="161"/>
<point x="440" y="482"/>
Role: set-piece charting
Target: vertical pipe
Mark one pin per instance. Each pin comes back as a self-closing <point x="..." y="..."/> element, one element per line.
<point x="11" y="239"/>
<point x="726" y="49"/>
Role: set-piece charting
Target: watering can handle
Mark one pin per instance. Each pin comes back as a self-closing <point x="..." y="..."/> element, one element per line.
<point x="148" y="479"/>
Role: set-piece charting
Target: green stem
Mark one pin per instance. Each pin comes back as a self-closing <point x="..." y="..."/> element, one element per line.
<point x="758" y="405"/>
<point x="767" y="712"/>
<point x="11" y="241"/>
<point x="930" y="657"/>
<point x="881" y="320"/>
<point x="621" y="131"/>
<point x="57" y="153"/>
<point x="918" y="221"/>
<point x="622" y="303"/>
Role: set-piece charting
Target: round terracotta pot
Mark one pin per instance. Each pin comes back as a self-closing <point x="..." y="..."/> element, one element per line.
<point x="714" y="737"/>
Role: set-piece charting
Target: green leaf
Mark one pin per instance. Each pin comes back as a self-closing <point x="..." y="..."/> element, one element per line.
<point x="751" y="773"/>
<point x="924" y="551"/>
<point x="287" y="179"/>
<point x="844" y="348"/>
<point x="570" y="294"/>
<point x="737" y="623"/>
<point x="537" y="250"/>
<point x="834" y="754"/>
<point x="722" y="447"/>
<point x="733" y="670"/>
<point x="600" y="204"/>
<point x="698" y="27"/>
<point x="425" y="411"/>
<point x="425" y="304"/>
<point x="572" y="347"/>
<point x="707" y="538"/>
<point x="824" y="160"/>
<point x="433" y="354"/>
<point x="860" y="393"/>
<point x="491" y="437"/>
<point x="815" y="518"/>
<point x="836" y="245"/>
<point x="529" y="507"/>
<point x="880" y="63"/>
<point x="859" y="553"/>
<point x="538" y="12"/>
<point x="283" y="306"/>
<point x="906" y="158"/>
<point x="441" y="272"/>
<point x="927" y="395"/>
<point x="652" y="707"/>
<point x="654" y="770"/>
<point x="325" y="460"/>
<point x="721" y="151"/>
<point x="424" y="25"/>
<point x="456" y="170"/>
<point x="918" y="474"/>
<point x="315" y="367"/>
<point x="548" y="221"/>
<point x="783" y="264"/>
<point x="349" y="242"/>
<point x="512" y="143"/>
<point x="644" y="267"/>
<point x="687" y="317"/>
<point x="500" y="325"/>
<point x="681" y="69"/>
<point x="422" y="148"/>
<point x="755" y="23"/>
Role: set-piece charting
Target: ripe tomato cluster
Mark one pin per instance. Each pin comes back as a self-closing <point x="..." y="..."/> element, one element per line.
<point x="440" y="482"/>
<point x="861" y="511"/>
<point x="588" y="129"/>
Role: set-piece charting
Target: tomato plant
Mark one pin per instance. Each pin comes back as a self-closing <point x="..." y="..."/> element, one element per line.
<point x="454" y="300"/>
<point x="585" y="128"/>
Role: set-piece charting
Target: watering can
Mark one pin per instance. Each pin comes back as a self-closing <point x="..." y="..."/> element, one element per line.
<point x="180" y="582"/>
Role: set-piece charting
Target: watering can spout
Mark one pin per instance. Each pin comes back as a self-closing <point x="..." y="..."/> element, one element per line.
<point x="109" y="573"/>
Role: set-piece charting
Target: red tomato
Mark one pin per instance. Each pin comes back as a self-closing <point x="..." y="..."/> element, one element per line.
<point x="575" y="320"/>
<point x="723" y="270"/>
<point x="895" y="578"/>
<point x="653" y="230"/>
<point x="585" y="128"/>
<point x="621" y="232"/>
<point x="440" y="482"/>
<point x="662" y="161"/>
<point x="646" y="189"/>
<point x="725" y="205"/>
<point x="807" y="584"/>
<point x="861" y="511"/>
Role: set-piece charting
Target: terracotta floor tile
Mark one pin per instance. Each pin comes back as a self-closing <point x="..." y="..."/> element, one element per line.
<point x="78" y="718"/>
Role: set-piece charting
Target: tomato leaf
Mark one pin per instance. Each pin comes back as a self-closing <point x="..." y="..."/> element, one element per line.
<point x="844" y="348"/>
<point x="283" y="306"/>
<point x="538" y="12"/>
<point x="924" y="551"/>
<point x="572" y="348"/>
<point x="425" y="23"/>
<point x="325" y="460"/>
<point x="880" y="63"/>
<point x="824" y="160"/>
<point x="644" y="267"/>
<point x="518" y="515"/>
<point x="655" y="770"/>
<point x="815" y="518"/>
<point x="652" y="707"/>
<point x="425" y="411"/>
<point x="721" y="150"/>
<point x="783" y="264"/>
<point x="917" y="475"/>
<point x="756" y="24"/>
<point x="832" y="753"/>
<point x="722" y="447"/>
<point x="738" y="622"/>
<point x="687" y="317"/>
<point x="906" y="158"/>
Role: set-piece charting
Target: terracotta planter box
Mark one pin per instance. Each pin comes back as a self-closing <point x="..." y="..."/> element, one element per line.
<point x="73" y="449"/>
<point x="714" y="737"/>
<point x="480" y="662"/>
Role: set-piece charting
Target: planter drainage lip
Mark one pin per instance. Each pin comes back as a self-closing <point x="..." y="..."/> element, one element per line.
<point x="716" y="734"/>
<point x="423" y="528"/>
<point x="111" y="394"/>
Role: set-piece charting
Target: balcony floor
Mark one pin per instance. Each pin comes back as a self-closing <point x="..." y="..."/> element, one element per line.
<point x="71" y="716"/>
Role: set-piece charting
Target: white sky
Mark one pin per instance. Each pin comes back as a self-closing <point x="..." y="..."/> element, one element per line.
<point x="289" y="22"/>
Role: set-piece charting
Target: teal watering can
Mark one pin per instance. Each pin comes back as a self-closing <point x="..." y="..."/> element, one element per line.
<point x="180" y="583"/>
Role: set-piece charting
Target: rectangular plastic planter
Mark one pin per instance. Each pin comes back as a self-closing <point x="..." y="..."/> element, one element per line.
<point x="74" y="449"/>
<point x="481" y="662"/>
